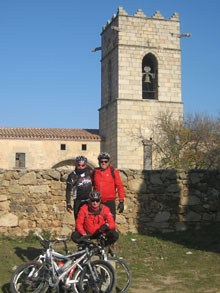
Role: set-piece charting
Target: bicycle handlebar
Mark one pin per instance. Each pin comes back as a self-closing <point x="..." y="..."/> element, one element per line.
<point x="47" y="243"/>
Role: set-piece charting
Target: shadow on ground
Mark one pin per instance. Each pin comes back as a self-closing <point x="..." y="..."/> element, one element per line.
<point x="28" y="254"/>
<point x="206" y="239"/>
<point x="6" y="288"/>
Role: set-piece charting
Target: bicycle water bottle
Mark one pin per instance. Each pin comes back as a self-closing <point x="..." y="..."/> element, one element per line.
<point x="67" y="265"/>
<point x="60" y="266"/>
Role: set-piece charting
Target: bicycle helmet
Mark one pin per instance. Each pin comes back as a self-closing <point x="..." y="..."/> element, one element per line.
<point x="95" y="195"/>
<point x="82" y="159"/>
<point x="104" y="155"/>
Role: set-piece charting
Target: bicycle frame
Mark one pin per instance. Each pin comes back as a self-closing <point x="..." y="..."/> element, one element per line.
<point x="73" y="261"/>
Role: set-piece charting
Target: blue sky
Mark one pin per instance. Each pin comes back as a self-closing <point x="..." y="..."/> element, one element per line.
<point x="50" y="78"/>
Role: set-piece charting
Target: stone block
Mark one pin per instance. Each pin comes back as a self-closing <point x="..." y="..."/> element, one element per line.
<point x="137" y="186"/>
<point x="180" y="226"/>
<point x="28" y="179"/>
<point x="5" y="183"/>
<point x="23" y="224"/>
<point x="57" y="185"/>
<point x="155" y="179"/>
<point x="120" y="219"/>
<point x="162" y="217"/>
<point x="3" y="197"/>
<point x="56" y="223"/>
<point x="4" y="206"/>
<point x="189" y="200"/>
<point x="15" y="188"/>
<point x="66" y="231"/>
<point x="68" y="219"/>
<point x="54" y="174"/>
<point x="192" y="217"/>
<point x="39" y="189"/>
<point x="8" y="220"/>
<point x="41" y="207"/>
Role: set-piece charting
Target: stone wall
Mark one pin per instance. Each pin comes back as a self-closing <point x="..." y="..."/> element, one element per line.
<point x="164" y="200"/>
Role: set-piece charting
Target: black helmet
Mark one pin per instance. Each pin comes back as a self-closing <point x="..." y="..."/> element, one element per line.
<point x="104" y="155"/>
<point x="95" y="195"/>
<point x="81" y="159"/>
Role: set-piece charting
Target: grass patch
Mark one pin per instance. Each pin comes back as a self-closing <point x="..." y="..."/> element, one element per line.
<point x="186" y="261"/>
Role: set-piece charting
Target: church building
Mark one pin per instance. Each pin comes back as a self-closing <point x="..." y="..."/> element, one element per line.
<point x="140" y="78"/>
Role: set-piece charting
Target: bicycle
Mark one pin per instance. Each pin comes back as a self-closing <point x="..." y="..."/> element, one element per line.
<point x="122" y="271"/>
<point x="71" y="273"/>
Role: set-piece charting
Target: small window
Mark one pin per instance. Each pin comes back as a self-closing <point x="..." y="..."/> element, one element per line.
<point x="63" y="147"/>
<point x="84" y="147"/>
<point x="20" y="160"/>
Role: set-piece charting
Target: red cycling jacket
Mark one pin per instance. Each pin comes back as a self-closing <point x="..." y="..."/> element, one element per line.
<point x="104" y="182"/>
<point x="87" y="221"/>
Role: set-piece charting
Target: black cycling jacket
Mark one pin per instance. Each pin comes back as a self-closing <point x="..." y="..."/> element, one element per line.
<point x="81" y="185"/>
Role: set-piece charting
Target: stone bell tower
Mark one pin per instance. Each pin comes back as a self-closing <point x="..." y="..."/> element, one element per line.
<point x="141" y="77"/>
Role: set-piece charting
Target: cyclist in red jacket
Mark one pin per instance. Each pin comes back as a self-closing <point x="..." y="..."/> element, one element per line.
<point x="95" y="218"/>
<point x="107" y="180"/>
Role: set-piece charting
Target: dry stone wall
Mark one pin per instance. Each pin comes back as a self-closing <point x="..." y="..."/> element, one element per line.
<point x="156" y="201"/>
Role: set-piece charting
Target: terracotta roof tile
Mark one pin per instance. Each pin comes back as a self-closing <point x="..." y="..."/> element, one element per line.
<point x="49" y="133"/>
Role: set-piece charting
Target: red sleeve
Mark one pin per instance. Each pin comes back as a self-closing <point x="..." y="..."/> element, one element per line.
<point x="109" y="218"/>
<point x="119" y="185"/>
<point x="81" y="218"/>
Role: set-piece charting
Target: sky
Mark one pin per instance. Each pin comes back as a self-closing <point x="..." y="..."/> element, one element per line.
<point x="49" y="76"/>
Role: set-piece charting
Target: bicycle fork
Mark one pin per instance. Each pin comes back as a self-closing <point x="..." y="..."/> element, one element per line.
<point x="94" y="274"/>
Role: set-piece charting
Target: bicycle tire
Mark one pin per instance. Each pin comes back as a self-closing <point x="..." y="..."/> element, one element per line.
<point x="122" y="274"/>
<point x="29" y="278"/>
<point x="105" y="274"/>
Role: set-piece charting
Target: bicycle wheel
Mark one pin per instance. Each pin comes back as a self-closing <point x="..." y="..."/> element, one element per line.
<point x="122" y="274"/>
<point x="104" y="278"/>
<point x="29" y="277"/>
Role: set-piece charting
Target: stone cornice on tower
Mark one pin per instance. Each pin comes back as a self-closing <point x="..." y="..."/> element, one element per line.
<point x="140" y="14"/>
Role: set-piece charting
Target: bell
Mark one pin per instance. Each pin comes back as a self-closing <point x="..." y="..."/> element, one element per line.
<point x="147" y="74"/>
<point x="147" y="78"/>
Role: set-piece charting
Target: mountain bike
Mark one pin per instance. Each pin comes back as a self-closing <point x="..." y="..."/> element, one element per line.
<point x="67" y="273"/>
<point x="122" y="271"/>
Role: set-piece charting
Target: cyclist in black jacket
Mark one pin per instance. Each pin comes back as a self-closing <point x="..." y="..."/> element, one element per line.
<point x="80" y="182"/>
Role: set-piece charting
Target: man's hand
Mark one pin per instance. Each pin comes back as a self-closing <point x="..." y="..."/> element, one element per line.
<point x="121" y="206"/>
<point x="103" y="228"/>
<point x="85" y="238"/>
<point x="69" y="208"/>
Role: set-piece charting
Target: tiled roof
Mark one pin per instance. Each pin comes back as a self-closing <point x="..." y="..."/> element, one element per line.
<point x="49" y="133"/>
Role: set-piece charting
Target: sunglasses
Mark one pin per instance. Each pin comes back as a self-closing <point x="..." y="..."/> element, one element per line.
<point x="104" y="162"/>
<point x="81" y="165"/>
<point x="95" y="200"/>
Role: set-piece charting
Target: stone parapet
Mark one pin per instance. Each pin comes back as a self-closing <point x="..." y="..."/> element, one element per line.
<point x="156" y="201"/>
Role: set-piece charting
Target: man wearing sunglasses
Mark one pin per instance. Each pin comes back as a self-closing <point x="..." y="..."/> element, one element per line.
<point x="79" y="181"/>
<point x="94" y="219"/>
<point x="107" y="180"/>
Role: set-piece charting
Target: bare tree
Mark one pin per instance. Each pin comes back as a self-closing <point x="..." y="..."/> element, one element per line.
<point x="190" y="144"/>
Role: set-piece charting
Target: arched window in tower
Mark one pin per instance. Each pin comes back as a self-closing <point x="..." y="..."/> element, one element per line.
<point x="149" y="77"/>
<point x="109" y="81"/>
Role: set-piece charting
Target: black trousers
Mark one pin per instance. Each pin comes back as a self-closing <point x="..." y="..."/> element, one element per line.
<point x="111" y="205"/>
<point x="111" y="236"/>
<point x="78" y="203"/>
